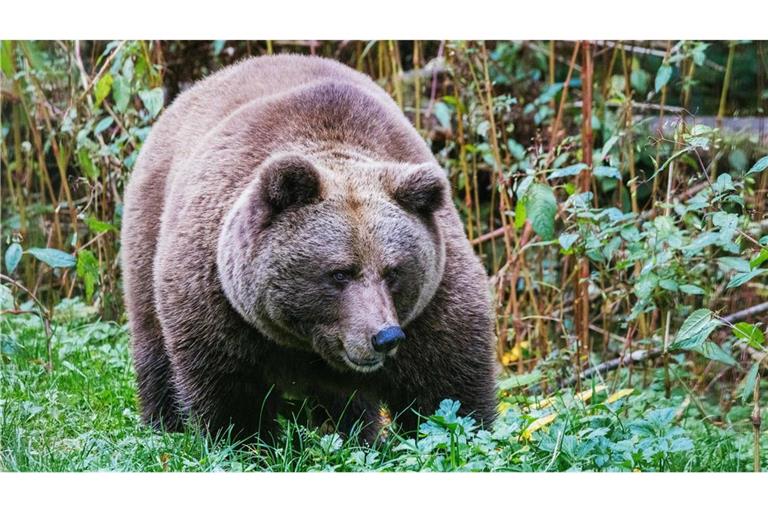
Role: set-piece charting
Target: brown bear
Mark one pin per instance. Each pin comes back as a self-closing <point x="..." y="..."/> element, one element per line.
<point x="286" y="230"/>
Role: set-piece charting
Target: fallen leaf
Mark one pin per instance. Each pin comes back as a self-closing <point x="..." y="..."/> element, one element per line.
<point x="536" y="425"/>
<point x="619" y="395"/>
<point x="586" y="395"/>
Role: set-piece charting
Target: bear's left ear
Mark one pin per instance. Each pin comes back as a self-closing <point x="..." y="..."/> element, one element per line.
<point x="422" y="188"/>
<point x="289" y="180"/>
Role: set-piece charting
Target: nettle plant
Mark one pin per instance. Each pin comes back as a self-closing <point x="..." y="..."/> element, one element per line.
<point x="581" y="438"/>
<point x="98" y="110"/>
<point x="655" y="268"/>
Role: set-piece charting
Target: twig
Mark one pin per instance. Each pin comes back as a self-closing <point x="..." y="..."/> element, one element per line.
<point x="656" y="53"/>
<point x="756" y="421"/>
<point x="639" y="356"/>
<point x="433" y="92"/>
<point x="558" y="119"/>
<point x="44" y="314"/>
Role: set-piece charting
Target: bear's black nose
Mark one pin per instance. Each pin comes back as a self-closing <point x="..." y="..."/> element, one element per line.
<point x="387" y="339"/>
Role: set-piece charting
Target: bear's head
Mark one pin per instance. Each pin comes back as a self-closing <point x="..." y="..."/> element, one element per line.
<point x="335" y="256"/>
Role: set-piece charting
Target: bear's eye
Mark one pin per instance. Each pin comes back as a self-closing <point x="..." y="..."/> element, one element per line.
<point x="341" y="276"/>
<point x="391" y="275"/>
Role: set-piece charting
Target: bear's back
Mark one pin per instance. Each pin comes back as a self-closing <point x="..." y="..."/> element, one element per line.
<point x="199" y="109"/>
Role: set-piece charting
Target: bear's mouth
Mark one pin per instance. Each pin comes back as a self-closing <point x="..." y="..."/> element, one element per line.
<point x="366" y="366"/>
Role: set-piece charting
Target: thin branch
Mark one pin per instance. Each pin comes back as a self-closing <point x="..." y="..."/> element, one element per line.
<point x="639" y="356"/>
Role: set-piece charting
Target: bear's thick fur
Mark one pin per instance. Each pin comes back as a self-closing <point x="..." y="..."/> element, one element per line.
<point x="281" y="213"/>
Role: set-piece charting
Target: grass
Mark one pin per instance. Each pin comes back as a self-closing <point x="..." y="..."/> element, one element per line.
<point x="82" y="416"/>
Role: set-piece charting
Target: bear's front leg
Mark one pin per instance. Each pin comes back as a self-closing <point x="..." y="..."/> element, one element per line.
<point x="213" y="353"/>
<point x="421" y="387"/>
<point x="347" y="413"/>
<point x="226" y="401"/>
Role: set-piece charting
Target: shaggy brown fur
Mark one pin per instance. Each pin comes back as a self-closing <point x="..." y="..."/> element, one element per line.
<point x="281" y="213"/>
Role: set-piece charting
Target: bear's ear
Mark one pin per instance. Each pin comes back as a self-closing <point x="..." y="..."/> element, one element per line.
<point x="289" y="180"/>
<point x="422" y="189"/>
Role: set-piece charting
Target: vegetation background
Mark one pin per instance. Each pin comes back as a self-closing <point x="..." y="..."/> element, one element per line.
<point x="615" y="191"/>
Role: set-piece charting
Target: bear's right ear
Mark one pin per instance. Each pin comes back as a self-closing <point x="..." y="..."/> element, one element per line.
<point x="422" y="188"/>
<point x="289" y="180"/>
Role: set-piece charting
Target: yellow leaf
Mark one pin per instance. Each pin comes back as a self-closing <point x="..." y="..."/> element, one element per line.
<point x="503" y="406"/>
<point x="536" y="425"/>
<point x="619" y="395"/>
<point x="586" y="395"/>
<point x="514" y="354"/>
<point x="583" y="396"/>
<point x="544" y="403"/>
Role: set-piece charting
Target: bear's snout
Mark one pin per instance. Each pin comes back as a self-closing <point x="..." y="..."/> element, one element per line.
<point x="387" y="339"/>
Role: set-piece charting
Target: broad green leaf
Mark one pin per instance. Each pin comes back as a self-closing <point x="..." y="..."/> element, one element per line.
<point x="699" y="136"/>
<point x="153" y="100"/>
<point x="520" y="214"/>
<point x="121" y="93"/>
<point x="7" y="58"/>
<point x="695" y="341"/>
<point x="740" y="279"/>
<point x="88" y="271"/>
<point x="128" y="69"/>
<point x="611" y="247"/>
<point x="549" y="93"/>
<point x="669" y="284"/>
<point x="702" y="241"/>
<point x="698" y="53"/>
<point x="541" y="208"/>
<point x="52" y="257"/>
<point x="759" y="166"/>
<point x="516" y="149"/>
<point x="35" y="55"/>
<point x="639" y="79"/>
<point x="715" y="352"/>
<point x="523" y="186"/>
<point x="442" y="114"/>
<point x="571" y="170"/>
<point x="99" y="226"/>
<point x="6" y="299"/>
<point x="86" y="165"/>
<point x="630" y="233"/>
<point x="695" y="323"/>
<point x="103" y="125"/>
<point x="695" y="330"/>
<point x="567" y="239"/>
<point x="103" y="86"/>
<point x="728" y="263"/>
<point x="691" y="289"/>
<point x="758" y="260"/>
<point x="738" y="160"/>
<point x="724" y="183"/>
<point x="218" y="45"/>
<point x="750" y="334"/>
<point x="607" y="172"/>
<point x="750" y="381"/>
<point x="12" y="257"/>
<point x="663" y="75"/>
<point x="645" y="285"/>
<point x="606" y="149"/>
<point x="725" y="220"/>
<point x="518" y="381"/>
